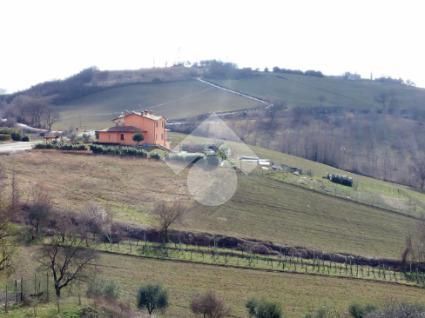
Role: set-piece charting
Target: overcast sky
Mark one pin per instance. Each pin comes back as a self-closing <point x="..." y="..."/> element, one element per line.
<point x="44" y="40"/>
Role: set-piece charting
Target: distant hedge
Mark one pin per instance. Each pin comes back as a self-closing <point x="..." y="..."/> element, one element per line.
<point x="340" y="179"/>
<point x="4" y="137"/>
<point x="119" y="151"/>
<point x="6" y="131"/>
<point x="69" y="147"/>
<point x="195" y="157"/>
<point x="188" y="157"/>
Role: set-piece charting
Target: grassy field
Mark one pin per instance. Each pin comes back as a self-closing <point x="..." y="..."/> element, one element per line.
<point x="173" y="100"/>
<point x="297" y="293"/>
<point x="262" y="208"/>
<point x="367" y="190"/>
<point x="299" y="90"/>
<point x="182" y="99"/>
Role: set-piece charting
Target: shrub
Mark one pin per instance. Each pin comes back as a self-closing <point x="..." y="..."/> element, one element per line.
<point x="155" y="156"/>
<point x="209" y="306"/>
<point x="44" y="146"/>
<point x="4" y="137"/>
<point x="66" y="147"/>
<point x="6" y="131"/>
<point x="324" y="312"/>
<point x="105" y="289"/>
<point x="138" y="138"/>
<point x="399" y="310"/>
<point x="152" y="298"/>
<point x="263" y="309"/>
<point x="119" y="151"/>
<point x="187" y="157"/>
<point x="16" y="136"/>
<point x="359" y="311"/>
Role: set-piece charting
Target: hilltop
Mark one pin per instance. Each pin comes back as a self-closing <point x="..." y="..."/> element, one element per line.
<point x="370" y="127"/>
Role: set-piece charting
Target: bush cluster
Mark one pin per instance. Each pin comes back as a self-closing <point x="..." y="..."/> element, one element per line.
<point x="69" y="147"/>
<point x="4" y="137"/>
<point x="188" y="157"/>
<point x="105" y="289"/>
<point x="340" y="179"/>
<point x="119" y="151"/>
<point x="10" y="133"/>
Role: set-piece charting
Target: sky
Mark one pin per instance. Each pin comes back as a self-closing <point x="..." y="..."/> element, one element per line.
<point x="53" y="39"/>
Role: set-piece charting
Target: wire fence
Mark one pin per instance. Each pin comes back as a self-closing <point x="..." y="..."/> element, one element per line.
<point x="28" y="290"/>
<point x="408" y="275"/>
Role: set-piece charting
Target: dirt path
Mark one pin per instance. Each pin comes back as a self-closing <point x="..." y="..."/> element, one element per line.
<point x="15" y="147"/>
<point x="262" y="101"/>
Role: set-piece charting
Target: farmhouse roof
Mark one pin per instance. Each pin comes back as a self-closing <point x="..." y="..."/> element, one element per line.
<point x="124" y="129"/>
<point x="146" y="114"/>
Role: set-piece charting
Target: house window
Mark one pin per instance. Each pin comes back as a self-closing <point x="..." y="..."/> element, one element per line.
<point x="162" y="136"/>
<point x="156" y="124"/>
<point x="122" y="136"/>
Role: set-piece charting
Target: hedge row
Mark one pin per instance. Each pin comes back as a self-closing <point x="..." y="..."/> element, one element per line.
<point x="9" y="133"/>
<point x="194" y="157"/>
<point x="188" y="157"/>
<point x="120" y="151"/>
<point x="4" y="137"/>
<point x="69" y="147"/>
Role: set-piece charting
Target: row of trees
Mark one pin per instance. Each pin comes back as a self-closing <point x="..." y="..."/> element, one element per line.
<point x="384" y="147"/>
<point x="35" y="111"/>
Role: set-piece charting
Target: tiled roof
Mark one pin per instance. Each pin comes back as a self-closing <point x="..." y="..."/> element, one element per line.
<point x="145" y="114"/>
<point x="124" y="129"/>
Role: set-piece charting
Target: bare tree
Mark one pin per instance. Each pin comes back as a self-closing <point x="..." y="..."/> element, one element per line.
<point x="14" y="198"/>
<point x="30" y="109"/>
<point x="418" y="169"/>
<point x="6" y="247"/>
<point x="51" y="116"/>
<point x="68" y="262"/>
<point x="415" y="244"/>
<point x="39" y="210"/>
<point x="387" y="99"/>
<point x="96" y="220"/>
<point x="209" y="306"/>
<point x="168" y="214"/>
<point x="3" y="178"/>
<point x="6" y="234"/>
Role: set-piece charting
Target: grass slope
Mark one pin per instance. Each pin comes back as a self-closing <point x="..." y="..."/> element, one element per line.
<point x="298" y="90"/>
<point x="366" y="190"/>
<point x="262" y="208"/>
<point x="297" y="293"/>
<point x="173" y="100"/>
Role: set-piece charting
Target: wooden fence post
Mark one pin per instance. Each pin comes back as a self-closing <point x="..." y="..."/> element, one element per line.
<point x="5" y="302"/>
<point x="47" y="286"/>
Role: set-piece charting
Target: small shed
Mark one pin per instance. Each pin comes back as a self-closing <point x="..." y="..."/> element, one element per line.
<point x="50" y="136"/>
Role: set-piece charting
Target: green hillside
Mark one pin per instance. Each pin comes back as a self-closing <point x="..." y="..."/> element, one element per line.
<point x="263" y="207"/>
<point x="297" y="294"/>
<point x="299" y="90"/>
<point x="180" y="99"/>
<point x="174" y="100"/>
